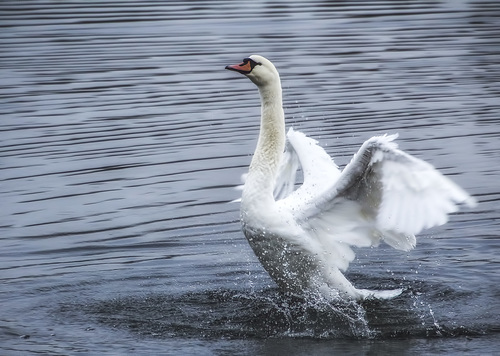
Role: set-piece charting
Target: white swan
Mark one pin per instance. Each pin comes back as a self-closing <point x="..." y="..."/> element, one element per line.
<point x="303" y="237"/>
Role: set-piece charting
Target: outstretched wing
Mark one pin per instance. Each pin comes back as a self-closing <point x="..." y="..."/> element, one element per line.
<point x="318" y="168"/>
<point x="383" y="193"/>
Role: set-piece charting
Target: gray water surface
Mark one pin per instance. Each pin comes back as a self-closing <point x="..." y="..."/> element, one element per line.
<point x="122" y="139"/>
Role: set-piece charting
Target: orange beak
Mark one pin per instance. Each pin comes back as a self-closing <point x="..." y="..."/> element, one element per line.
<point x="243" y="68"/>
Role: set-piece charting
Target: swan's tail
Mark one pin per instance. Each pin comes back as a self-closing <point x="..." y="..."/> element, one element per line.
<point x="379" y="294"/>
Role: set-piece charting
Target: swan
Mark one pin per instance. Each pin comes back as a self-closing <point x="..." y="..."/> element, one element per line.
<point x="304" y="237"/>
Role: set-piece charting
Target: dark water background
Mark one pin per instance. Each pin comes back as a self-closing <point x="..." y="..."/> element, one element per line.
<point x="122" y="137"/>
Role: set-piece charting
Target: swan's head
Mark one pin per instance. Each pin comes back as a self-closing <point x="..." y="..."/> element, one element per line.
<point x="258" y="69"/>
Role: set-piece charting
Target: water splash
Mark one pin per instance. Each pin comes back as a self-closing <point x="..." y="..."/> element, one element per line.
<point x="234" y="314"/>
<point x="262" y="314"/>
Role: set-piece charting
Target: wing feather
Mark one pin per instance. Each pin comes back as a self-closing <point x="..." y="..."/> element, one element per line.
<point x="383" y="193"/>
<point x="318" y="168"/>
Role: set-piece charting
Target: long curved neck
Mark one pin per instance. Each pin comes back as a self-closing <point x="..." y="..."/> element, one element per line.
<point x="270" y="146"/>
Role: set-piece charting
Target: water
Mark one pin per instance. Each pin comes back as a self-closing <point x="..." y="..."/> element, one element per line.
<point x="122" y="138"/>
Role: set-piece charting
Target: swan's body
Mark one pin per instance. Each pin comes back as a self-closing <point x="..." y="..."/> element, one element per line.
<point x="303" y="237"/>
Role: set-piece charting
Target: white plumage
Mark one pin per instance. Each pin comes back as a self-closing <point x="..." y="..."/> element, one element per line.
<point x="303" y="237"/>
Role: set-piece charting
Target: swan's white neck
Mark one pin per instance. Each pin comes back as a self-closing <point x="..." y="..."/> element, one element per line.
<point x="262" y="173"/>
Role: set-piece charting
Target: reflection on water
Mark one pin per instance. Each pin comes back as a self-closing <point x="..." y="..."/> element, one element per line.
<point x="122" y="137"/>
